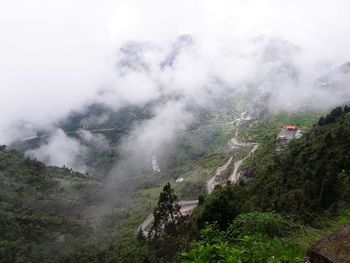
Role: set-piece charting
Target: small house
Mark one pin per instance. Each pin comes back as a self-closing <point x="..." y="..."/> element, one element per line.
<point x="287" y="133"/>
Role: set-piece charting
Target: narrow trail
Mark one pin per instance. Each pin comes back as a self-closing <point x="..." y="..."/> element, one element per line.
<point x="212" y="181"/>
<point x="234" y="176"/>
<point x="187" y="207"/>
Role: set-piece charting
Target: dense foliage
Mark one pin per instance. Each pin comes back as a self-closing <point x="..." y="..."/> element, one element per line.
<point x="170" y="231"/>
<point x="252" y="237"/>
<point x="166" y="215"/>
<point x="308" y="179"/>
<point x="41" y="210"/>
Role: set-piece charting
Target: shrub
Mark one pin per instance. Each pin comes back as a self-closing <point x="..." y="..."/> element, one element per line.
<point x="259" y="224"/>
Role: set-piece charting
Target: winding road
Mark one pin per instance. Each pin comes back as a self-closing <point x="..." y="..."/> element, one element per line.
<point x="187" y="207"/>
<point x="234" y="176"/>
<point x="212" y="181"/>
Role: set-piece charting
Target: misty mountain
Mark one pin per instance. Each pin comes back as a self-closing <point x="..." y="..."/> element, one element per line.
<point x="337" y="82"/>
<point x="132" y="56"/>
<point x="95" y="132"/>
<point x="105" y="102"/>
<point x="276" y="49"/>
<point x="99" y="136"/>
<point x="181" y="44"/>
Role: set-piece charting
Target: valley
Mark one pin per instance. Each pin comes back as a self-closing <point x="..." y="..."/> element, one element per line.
<point x="230" y="137"/>
<point x="175" y="131"/>
<point x="239" y="148"/>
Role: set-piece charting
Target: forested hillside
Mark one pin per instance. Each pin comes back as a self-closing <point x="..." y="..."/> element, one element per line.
<point x="296" y="197"/>
<point x="42" y="209"/>
<point x="311" y="177"/>
<point x="105" y="128"/>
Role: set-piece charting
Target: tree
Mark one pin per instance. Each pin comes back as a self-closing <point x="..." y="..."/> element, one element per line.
<point x="171" y="232"/>
<point x="166" y="215"/>
<point x="333" y="115"/>
<point x="140" y="236"/>
<point x="321" y="121"/>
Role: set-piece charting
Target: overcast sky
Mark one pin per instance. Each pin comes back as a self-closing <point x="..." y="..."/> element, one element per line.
<point x="56" y="55"/>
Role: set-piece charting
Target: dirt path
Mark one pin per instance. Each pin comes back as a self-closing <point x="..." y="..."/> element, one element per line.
<point x="212" y="181"/>
<point x="187" y="207"/>
<point x="233" y="177"/>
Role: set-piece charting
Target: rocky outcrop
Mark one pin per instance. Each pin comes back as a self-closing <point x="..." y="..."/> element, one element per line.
<point x="334" y="248"/>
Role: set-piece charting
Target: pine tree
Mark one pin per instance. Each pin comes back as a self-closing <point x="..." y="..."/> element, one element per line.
<point x="166" y="215"/>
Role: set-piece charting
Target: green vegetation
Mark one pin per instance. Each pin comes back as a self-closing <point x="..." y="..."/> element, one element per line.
<point x="308" y="182"/>
<point x="169" y="232"/>
<point x="252" y="237"/>
<point x="42" y="210"/>
<point x="99" y="116"/>
<point x="152" y="192"/>
<point x="304" y="120"/>
<point x="267" y="128"/>
<point x="295" y="197"/>
<point x="303" y="182"/>
<point x="261" y="237"/>
<point x="166" y="215"/>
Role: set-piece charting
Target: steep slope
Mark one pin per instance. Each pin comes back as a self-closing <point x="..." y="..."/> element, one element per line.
<point x="98" y="130"/>
<point x="308" y="185"/>
<point x="42" y="209"/>
<point x="309" y="179"/>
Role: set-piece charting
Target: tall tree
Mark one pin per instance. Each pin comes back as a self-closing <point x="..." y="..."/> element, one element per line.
<point x="167" y="214"/>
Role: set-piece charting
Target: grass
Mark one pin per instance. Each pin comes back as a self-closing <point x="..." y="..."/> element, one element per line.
<point x="151" y="192"/>
<point x="223" y="138"/>
<point x="303" y="120"/>
<point x="212" y="161"/>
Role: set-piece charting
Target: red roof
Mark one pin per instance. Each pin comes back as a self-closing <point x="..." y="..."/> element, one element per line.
<point x="291" y="127"/>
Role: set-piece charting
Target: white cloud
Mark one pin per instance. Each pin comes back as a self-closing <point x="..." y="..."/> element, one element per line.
<point x="61" y="150"/>
<point x="56" y="56"/>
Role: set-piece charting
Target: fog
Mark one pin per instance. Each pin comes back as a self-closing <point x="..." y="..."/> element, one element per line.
<point x="61" y="56"/>
<point x="61" y="150"/>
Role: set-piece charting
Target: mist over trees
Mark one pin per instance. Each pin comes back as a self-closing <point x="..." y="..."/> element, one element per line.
<point x="112" y="109"/>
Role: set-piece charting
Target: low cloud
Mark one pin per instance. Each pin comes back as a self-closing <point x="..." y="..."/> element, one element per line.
<point x="61" y="150"/>
<point x="59" y="57"/>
